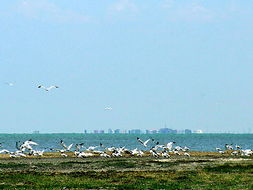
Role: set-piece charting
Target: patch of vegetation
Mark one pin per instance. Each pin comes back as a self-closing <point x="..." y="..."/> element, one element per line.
<point x="13" y="165"/>
<point x="231" y="168"/>
<point x="126" y="173"/>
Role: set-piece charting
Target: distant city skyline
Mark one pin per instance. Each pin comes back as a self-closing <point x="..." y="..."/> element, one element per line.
<point x="126" y="64"/>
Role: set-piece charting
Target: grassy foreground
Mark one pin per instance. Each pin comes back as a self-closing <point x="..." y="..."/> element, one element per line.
<point x="178" y="172"/>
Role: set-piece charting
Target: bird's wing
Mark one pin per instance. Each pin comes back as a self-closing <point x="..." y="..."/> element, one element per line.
<point x="17" y="146"/>
<point x="32" y="143"/>
<point x="146" y="142"/>
<point x="51" y="87"/>
<point x="138" y="139"/>
<point x="64" y="145"/>
<point x="69" y="147"/>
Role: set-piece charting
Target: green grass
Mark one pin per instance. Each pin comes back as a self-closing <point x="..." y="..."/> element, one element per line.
<point x="126" y="173"/>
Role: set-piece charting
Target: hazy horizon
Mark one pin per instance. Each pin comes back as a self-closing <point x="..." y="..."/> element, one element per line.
<point x="125" y="64"/>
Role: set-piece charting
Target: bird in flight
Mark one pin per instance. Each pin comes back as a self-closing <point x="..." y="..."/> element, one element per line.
<point x="142" y="142"/>
<point x="47" y="88"/>
<point x="9" y="83"/>
<point x="108" y="108"/>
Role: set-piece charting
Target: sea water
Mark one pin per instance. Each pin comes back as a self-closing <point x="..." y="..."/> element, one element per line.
<point x="196" y="142"/>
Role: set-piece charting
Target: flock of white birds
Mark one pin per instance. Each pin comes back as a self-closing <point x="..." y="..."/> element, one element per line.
<point x="157" y="150"/>
<point x="153" y="148"/>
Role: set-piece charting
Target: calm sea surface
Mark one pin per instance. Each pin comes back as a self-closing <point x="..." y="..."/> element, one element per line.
<point x="197" y="142"/>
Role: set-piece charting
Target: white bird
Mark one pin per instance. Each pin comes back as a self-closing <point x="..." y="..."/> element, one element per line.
<point x="136" y="152"/>
<point x="143" y="143"/>
<point x="187" y="154"/>
<point x="228" y="147"/>
<point x="64" y="155"/>
<point x="153" y="153"/>
<point x="246" y="152"/>
<point x="9" y="84"/>
<point x="4" y="151"/>
<point x="47" y="88"/>
<point x="92" y="148"/>
<point x="67" y="148"/>
<point x="234" y="153"/>
<point x="103" y="154"/>
<point x="84" y="155"/>
<point x="165" y="154"/>
<point x="108" y="108"/>
<point x="237" y="147"/>
<point x="169" y="146"/>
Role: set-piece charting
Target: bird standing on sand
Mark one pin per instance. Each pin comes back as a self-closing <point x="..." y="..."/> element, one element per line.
<point x="48" y="88"/>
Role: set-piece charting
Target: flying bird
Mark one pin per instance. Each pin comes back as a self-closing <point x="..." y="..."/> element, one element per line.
<point x="9" y="83"/>
<point x="108" y="108"/>
<point x="47" y="88"/>
<point x="142" y="142"/>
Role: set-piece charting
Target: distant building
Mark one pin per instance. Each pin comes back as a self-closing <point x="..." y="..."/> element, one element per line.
<point x="110" y="131"/>
<point x="151" y="131"/>
<point x="188" y="131"/>
<point x="134" y="131"/>
<point x="124" y="131"/>
<point x="117" y="131"/>
<point x="167" y="131"/>
<point x="98" y="131"/>
<point x="95" y="131"/>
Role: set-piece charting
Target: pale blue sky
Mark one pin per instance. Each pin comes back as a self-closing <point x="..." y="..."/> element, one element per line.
<point x="186" y="63"/>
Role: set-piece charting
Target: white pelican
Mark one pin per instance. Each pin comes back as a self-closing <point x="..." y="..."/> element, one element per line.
<point x="165" y="154"/>
<point x="228" y="147"/>
<point x="92" y="148"/>
<point x="187" y="154"/>
<point x="84" y="155"/>
<point x="4" y="151"/>
<point x="169" y="146"/>
<point x="246" y="152"/>
<point x="143" y="143"/>
<point x="47" y="88"/>
<point x="103" y="154"/>
<point x="154" y="153"/>
<point x="234" y="153"/>
<point x="64" y="155"/>
<point x="67" y="148"/>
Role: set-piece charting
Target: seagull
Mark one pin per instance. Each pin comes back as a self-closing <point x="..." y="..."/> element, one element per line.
<point x="108" y="108"/>
<point x="9" y="83"/>
<point x="143" y="143"/>
<point x="47" y="88"/>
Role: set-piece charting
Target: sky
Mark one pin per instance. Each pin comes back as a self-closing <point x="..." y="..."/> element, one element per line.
<point x="186" y="64"/>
